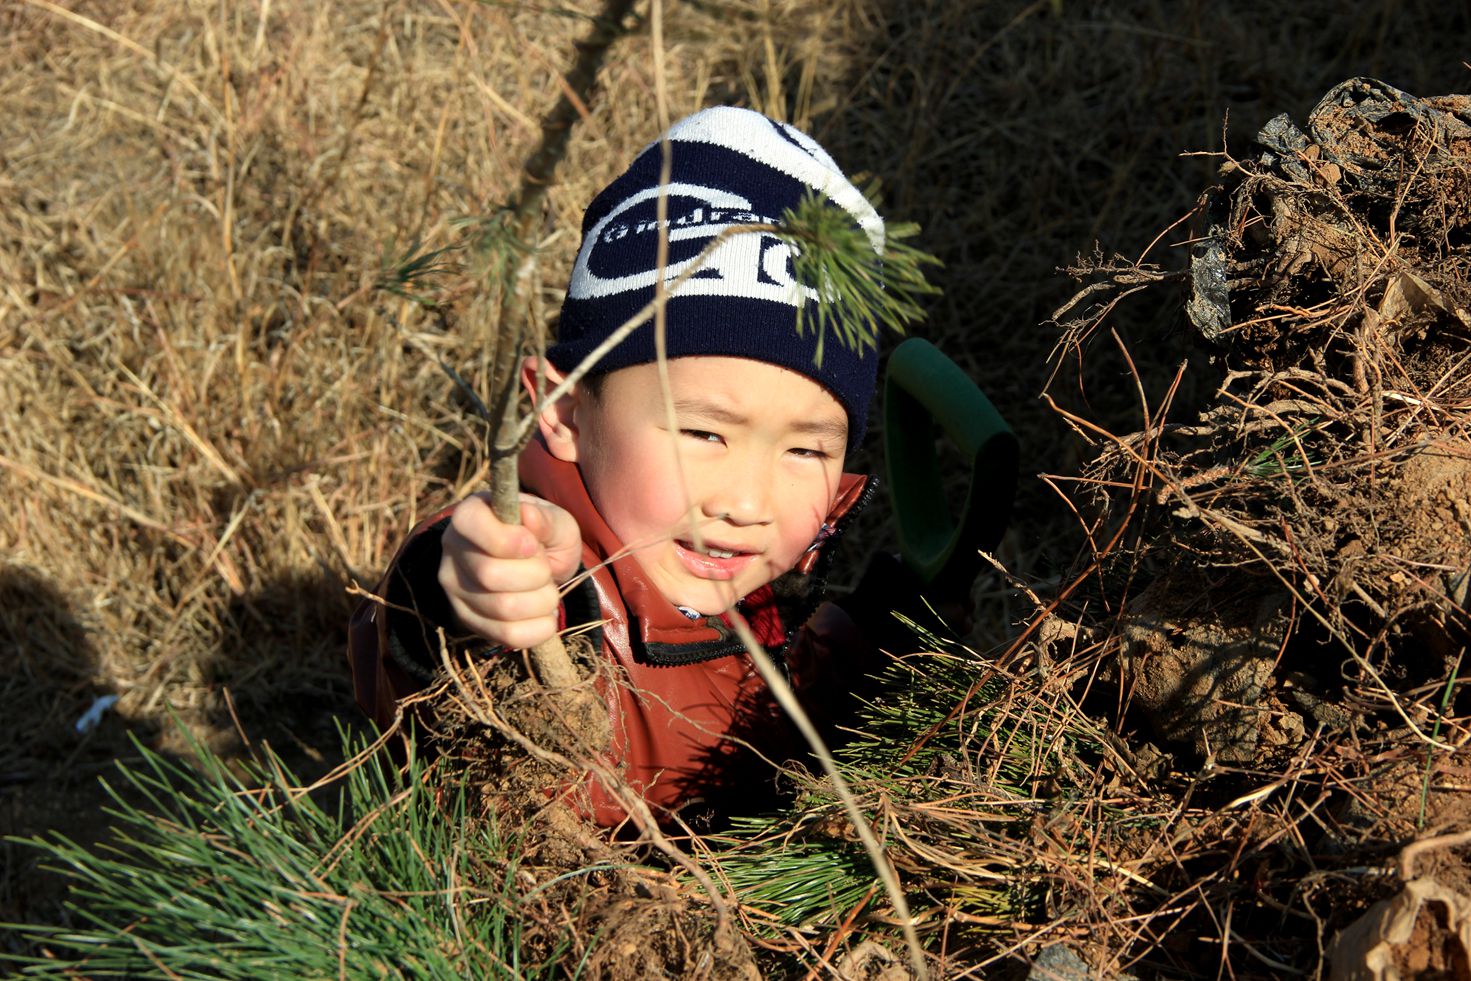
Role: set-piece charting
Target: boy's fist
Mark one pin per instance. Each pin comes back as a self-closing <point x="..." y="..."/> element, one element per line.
<point x="501" y="580"/>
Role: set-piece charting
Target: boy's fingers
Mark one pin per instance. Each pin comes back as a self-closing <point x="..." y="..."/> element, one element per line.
<point x="527" y="633"/>
<point x="518" y="634"/>
<point x="471" y="571"/>
<point x="501" y="579"/>
<point x="557" y="531"/>
<point x="510" y="607"/>
<point x="521" y="617"/>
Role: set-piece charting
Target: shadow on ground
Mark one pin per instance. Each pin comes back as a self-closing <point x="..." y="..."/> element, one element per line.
<point x="279" y="662"/>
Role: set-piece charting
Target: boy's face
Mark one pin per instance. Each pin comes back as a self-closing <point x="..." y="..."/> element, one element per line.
<point x="751" y="464"/>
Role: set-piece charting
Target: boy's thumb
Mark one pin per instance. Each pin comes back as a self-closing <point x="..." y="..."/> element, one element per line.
<point x="557" y="531"/>
<point x="536" y="517"/>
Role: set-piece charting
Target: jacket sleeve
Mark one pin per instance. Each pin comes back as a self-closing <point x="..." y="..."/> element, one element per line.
<point x="393" y="645"/>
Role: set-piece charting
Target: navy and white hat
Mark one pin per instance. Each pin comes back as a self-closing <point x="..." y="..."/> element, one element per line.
<point x="730" y="167"/>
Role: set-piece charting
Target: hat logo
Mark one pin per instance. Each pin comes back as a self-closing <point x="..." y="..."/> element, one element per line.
<point x="618" y="253"/>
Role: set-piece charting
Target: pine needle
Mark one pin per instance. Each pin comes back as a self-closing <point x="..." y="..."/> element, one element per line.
<point x="854" y="293"/>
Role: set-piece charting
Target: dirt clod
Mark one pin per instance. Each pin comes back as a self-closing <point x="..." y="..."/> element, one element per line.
<point x="1203" y="670"/>
<point x="527" y="753"/>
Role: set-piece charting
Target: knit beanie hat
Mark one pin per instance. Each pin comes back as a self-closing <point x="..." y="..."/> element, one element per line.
<point x="730" y="167"/>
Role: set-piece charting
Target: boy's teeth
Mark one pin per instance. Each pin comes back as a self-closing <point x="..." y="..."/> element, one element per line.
<point x="714" y="553"/>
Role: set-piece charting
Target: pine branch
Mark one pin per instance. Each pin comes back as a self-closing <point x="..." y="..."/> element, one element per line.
<point x="957" y="795"/>
<point x="227" y="875"/>
<point x="408" y="273"/>
<point x="854" y="293"/>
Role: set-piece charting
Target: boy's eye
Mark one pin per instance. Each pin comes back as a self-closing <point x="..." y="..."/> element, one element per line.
<point x="809" y="452"/>
<point x="701" y="435"/>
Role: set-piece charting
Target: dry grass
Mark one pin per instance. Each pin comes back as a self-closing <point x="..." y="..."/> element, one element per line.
<point x="1274" y="588"/>
<point x="211" y="423"/>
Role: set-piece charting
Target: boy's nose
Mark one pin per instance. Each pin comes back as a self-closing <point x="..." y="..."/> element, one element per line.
<point x="739" y="495"/>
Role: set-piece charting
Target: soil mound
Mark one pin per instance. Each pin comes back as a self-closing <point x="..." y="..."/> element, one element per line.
<point x="1285" y="575"/>
<point x="1315" y="535"/>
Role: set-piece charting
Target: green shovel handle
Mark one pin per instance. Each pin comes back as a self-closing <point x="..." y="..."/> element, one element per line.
<point x="923" y="387"/>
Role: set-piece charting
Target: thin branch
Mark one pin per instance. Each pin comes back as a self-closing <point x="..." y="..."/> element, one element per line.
<point x="787" y="699"/>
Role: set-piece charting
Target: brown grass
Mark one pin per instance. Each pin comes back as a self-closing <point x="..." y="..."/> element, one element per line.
<point x="211" y="423"/>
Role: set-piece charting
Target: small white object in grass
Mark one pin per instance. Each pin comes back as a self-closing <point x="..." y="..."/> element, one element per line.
<point x="93" y="715"/>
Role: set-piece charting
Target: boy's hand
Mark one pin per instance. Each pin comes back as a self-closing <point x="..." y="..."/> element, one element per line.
<point x="501" y="580"/>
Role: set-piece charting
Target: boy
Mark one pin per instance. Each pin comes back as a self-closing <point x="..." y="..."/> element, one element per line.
<point x="735" y="505"/>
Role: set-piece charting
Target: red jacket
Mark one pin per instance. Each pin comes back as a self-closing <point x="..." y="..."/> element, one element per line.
<point x="684" y="687"/>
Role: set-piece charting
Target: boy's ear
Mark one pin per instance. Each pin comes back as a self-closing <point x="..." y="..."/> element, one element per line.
<point x="558" y="421"/>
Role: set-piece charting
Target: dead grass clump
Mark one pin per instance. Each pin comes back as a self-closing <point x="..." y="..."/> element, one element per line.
<point x="1006" y="812"/>
<point x="1346" y="283"/>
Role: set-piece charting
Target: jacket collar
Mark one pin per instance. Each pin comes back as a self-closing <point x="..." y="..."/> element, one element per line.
<point x="667" y="636"/>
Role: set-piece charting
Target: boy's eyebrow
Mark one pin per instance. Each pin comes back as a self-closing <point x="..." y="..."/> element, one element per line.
<point x="835" y="428"/>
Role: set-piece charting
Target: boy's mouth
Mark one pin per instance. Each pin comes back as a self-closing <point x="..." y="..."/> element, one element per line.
<point x="712" y="561"/>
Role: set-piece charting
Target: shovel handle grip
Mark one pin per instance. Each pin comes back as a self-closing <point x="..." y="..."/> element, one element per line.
<point x="924" y="389"/>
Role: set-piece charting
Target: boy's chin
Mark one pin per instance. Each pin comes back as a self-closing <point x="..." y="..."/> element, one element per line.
<point x="708" y="599"/>
<point x="707" y="608"/>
